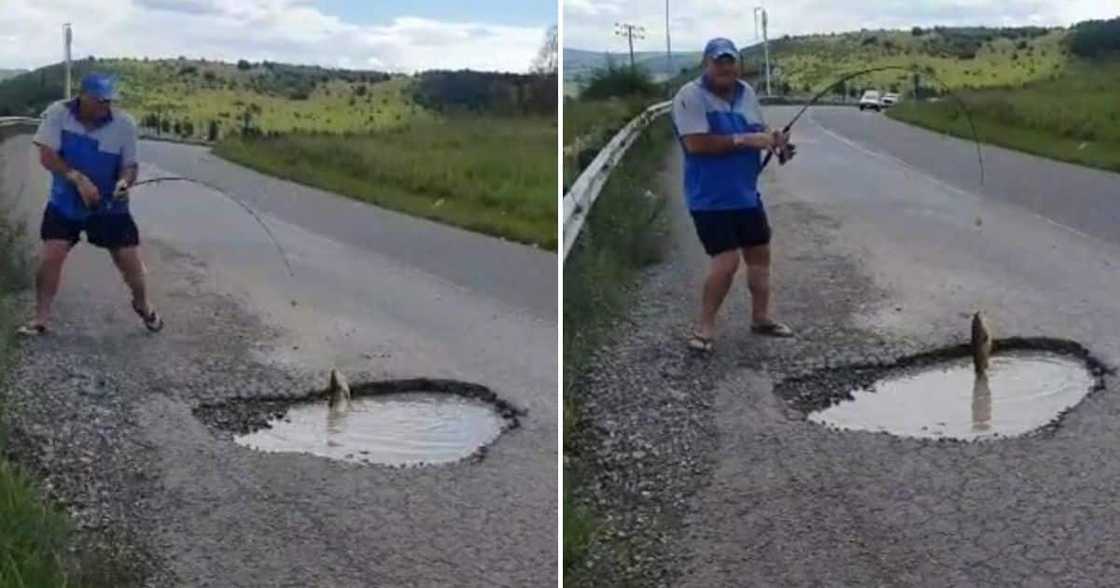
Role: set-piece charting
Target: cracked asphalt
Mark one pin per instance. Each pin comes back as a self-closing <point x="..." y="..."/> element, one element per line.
<point x="102" y="411"/>
<point x="705" y="477"/>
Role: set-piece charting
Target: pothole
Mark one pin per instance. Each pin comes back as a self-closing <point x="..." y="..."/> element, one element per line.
<point x="393" y="423"/>
<point x="1029" y="386"/>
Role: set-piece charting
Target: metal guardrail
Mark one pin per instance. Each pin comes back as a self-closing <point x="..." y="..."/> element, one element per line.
<point x="585" y="191"/>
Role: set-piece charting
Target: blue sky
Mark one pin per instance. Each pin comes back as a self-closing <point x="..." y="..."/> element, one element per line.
<point x="386" y="35"/>
<point x="505" y="12"/>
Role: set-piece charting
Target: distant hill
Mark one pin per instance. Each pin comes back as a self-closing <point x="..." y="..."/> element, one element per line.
<point x="10" y="73"/>
<point x="962" y="57"/>
<point x="187" y="97"/>
<point x="578" y="63"/>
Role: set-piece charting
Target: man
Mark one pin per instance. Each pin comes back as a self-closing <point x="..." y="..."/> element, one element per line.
<point x="718" y="120"/>
<point x="90" y="149"/>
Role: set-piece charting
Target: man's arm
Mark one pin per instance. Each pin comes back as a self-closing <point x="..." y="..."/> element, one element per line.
<point x="708" y="144"/>
<point x="53" y="161"/>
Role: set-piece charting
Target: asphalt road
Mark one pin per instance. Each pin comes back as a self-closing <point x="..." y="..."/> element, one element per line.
<point x="883" y="247"/>
<point x="102" y="410"/>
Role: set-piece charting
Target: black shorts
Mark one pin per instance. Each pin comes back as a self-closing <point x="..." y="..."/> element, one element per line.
<point x="108" y="231"/>
<point x="725" y="230"/>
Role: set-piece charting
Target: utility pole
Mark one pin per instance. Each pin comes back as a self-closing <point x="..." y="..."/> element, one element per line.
<point x="67" y="37"/>
<point x="630" y="31"/>
<point x="765" y="43"/>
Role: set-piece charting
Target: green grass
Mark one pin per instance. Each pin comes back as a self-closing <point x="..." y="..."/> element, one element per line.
<point x="625" y="232"/>
<point x="32" y="536"/>
<point x="1074" y="117"/>
<point x="494" y="175"/>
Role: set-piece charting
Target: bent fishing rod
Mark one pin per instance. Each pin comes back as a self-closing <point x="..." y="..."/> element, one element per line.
<point x="846" y="77"/>
<point x="247" y="208"/>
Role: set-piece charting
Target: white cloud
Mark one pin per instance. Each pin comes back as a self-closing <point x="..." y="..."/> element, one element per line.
<point x="694" y="22"/>
<point x="292" y="31"/>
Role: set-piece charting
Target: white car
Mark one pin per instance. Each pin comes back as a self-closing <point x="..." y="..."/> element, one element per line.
<point x="870" y="100"/>
<point x="889" y="99"/>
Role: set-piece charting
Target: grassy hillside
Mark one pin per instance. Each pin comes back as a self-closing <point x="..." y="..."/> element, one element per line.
<point x="474" y="149"/>
<point x="959" y="57"/>
<point x="1071" y="116"/>
<point x="276" y="97"/>
<point x="10" y="73"/>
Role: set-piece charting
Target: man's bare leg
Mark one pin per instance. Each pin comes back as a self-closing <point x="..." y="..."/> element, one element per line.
<point x="721" y="275"/>
<point x="52" y="256"/>
<point x="758" y="282"/>
<point x="132" y="270"/>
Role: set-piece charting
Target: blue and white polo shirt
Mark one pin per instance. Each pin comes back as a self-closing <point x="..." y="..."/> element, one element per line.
<point x="719" y="182"/>
<point x="101" y="152"/>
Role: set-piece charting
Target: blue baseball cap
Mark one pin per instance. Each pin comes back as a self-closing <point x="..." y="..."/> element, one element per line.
<point x="720" y="47"/>
<point x="100" y="86"/>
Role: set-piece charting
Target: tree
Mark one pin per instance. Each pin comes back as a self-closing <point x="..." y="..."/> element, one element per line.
<point x="165" y="125"/>
<point x="547" y="60"/>
<point x="188" y="128"/>
<point x="212" y="132"/>
<point x="243" y="65"/>
<point x="178" y="128"/>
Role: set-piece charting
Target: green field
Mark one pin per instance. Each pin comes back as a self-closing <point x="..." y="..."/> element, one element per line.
<point x="495" y="175"/>
<point x="1074" y="117"/>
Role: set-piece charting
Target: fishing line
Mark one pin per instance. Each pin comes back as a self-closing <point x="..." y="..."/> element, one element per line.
<point x="247" y="208"/>
<point x="948" y="90"/>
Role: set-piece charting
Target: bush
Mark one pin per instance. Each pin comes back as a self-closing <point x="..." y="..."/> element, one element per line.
<point x="614" y="81"/>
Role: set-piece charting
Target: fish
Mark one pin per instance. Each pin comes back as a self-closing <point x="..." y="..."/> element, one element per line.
<point x="338" y="392"/>
<point x="981" y="404"/>
<point x="981" y="343"/>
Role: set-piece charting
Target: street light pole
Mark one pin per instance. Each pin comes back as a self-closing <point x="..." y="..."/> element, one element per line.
<point x="765" y="43"/>
<point x="67" y="37"/>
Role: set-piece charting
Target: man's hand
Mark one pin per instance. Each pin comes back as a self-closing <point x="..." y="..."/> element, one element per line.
<point x="120" y="192"/>
<point x="91" y="196"/>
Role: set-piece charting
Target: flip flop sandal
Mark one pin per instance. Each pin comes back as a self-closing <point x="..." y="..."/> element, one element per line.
<point x="700" y="343"/>
<point x="772" y="329"/>
<point x="153" y="321"/>
<point x="32" y="330"/>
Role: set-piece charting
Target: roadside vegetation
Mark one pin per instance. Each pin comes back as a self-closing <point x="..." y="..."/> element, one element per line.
<point x="488" y="173"/>
<point x="624" y="233"/>
<point x="614" y="95"/>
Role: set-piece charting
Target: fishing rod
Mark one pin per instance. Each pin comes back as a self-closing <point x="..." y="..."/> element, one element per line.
<point x="845" y="78"/>
<point x="247" y="208"/>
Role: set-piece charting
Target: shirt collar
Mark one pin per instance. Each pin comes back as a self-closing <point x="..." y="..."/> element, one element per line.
<point x="72" y="105"/>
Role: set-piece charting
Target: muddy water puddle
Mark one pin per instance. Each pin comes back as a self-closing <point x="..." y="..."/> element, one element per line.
<point x="1022" y="392"/>
<point x="394" y="429"/>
